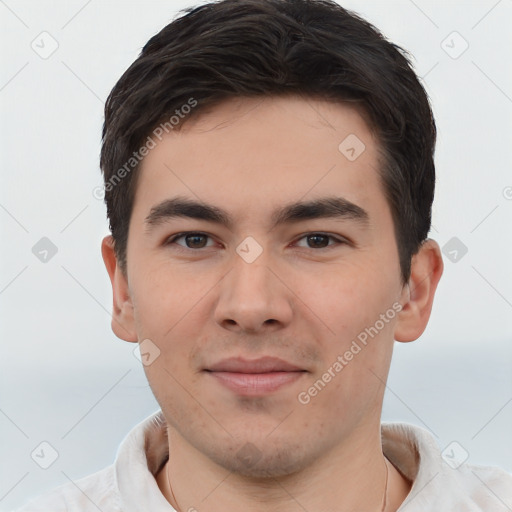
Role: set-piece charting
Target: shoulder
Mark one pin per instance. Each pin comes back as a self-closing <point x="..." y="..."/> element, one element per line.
<point x="487" y="486"/>
<point x="88" y="494"/>
<point x="443" y="480"/>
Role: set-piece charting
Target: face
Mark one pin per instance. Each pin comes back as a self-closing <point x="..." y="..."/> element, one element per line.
<point x="271" y="334"/>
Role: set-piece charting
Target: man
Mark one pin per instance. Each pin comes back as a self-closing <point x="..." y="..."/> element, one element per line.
<point x="269" y="178"/>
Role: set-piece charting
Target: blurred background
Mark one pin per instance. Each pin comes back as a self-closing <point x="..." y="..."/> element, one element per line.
<point x="66" y="380"/>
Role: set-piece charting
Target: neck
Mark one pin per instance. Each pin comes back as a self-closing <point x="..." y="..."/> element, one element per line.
<point x="349" y="477"/>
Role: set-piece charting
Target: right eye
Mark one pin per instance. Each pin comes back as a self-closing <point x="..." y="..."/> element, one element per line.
<point x="193" y="240"/>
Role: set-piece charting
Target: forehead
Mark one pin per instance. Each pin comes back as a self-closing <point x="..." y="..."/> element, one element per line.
<point x="252" y="153"/>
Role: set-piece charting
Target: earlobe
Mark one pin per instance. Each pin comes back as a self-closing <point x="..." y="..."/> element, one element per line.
<point x="123" y="323"/>
<point x="418" y="293"/>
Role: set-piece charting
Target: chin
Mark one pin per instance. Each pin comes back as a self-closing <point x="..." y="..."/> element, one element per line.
<point x="260" y="459"/>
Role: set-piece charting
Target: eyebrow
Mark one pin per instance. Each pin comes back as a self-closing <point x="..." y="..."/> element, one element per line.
<point x="323" y="208"/>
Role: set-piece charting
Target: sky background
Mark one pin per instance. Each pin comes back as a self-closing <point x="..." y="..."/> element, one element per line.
<point x="65" y="379"/>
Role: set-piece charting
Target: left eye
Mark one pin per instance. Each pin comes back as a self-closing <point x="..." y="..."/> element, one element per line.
<point x="320" y="240"/>
<point x="195" y="240"/>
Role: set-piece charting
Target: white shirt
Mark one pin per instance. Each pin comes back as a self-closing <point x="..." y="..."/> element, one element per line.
<point x="129" y="484"/>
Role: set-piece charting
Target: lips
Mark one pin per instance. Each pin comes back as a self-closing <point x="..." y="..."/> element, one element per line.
<point x="261" y="365"/>
<point x="254" y="377"/>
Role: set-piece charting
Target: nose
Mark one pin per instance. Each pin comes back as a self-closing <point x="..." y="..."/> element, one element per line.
<point x="253" y="297"/>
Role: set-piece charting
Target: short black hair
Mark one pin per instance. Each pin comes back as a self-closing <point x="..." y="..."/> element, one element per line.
<point x="248" y="48"/>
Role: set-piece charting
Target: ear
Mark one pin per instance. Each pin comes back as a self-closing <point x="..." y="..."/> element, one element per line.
<point x="123" y="323"/>
<point x="418" y="293"/>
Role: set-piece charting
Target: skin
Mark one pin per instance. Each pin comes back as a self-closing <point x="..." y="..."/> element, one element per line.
<point x="297" y="301"/>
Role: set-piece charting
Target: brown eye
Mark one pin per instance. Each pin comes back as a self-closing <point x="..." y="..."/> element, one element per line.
<point x="192" y="240"/>
<point x="320" y="241"/>
<point x="195" y="241"/>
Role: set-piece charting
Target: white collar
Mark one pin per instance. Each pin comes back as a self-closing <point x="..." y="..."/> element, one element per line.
<point x="411" y="449"/>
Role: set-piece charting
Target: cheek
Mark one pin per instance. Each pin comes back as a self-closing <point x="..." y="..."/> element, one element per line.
<point x="349" y="296"/>
<point x="164" y="294"/>
<point x="356" y="303"/>
<point x="350" y="383"/>
<point x="171" y="307"/>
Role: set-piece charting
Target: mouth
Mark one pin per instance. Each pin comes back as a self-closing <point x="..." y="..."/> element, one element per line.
<point x="255" y="377"/>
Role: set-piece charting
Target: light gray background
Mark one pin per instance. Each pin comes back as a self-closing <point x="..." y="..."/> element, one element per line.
<point x="66" y="379"/>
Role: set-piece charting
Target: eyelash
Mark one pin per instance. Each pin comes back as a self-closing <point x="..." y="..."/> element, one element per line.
<point x="339" y="241"/>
